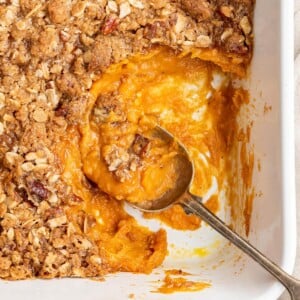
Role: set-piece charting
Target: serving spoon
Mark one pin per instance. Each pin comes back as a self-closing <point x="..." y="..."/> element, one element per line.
<point x="193" y="204"/>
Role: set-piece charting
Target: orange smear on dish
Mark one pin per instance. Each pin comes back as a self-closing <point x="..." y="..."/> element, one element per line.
<point x="179" y="284"/>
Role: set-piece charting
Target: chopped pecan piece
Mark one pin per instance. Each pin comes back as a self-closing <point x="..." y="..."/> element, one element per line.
<point x="199" y="9"/>
<point x="62" y="110"/>
<point x="110" y="24"/>
<point x="140" y="145"/>
<point x="156" y="29"/>
<point x="37" y="188"/>
<point x="22" y="193"/>
<point x="236" y="43"/>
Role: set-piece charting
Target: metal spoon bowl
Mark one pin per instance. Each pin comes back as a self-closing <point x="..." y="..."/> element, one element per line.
<point x="193" y="204"/>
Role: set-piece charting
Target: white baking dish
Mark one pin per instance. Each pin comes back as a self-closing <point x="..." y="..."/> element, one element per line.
<point x="273" y="226"/>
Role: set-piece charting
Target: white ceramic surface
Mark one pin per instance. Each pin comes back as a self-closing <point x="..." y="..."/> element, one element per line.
<point x="286" y="296"/>
<point x="273" y="228"/>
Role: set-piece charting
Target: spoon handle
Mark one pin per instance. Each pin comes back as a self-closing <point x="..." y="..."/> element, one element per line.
<point x="194" y="204"/>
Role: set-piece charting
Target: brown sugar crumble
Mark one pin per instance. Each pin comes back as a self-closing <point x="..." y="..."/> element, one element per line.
<point x="50" y="54"/>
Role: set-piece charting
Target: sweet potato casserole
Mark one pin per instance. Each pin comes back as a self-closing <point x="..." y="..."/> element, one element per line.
<point x="82" y="82"/>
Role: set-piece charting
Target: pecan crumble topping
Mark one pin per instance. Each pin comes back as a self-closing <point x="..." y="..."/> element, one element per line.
<point x="50" y="54"/>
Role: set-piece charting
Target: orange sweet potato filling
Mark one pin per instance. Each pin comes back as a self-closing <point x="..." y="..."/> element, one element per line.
<point x="180" y="284"/>
<point x="123" y="244"/>
<point x="162" y="88"/>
